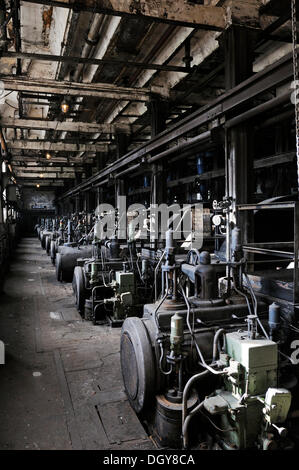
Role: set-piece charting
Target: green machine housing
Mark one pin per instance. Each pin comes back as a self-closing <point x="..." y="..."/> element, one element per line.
<point x="249" y="402"/>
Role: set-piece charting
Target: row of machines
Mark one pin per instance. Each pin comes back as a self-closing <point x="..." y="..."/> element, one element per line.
<point x="112" y="284"/>
<point x="109" y="279"/>
<point x="209" y="358"/>
<point x="65" y="239"/>
<point x="205" y="361"/>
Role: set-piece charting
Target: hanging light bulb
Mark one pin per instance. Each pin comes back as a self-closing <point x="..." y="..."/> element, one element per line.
<point x="65" y="106"/>
<point x="38" y="185"/>
<point x="41" y="175"/>
<point x="48" y="156"/>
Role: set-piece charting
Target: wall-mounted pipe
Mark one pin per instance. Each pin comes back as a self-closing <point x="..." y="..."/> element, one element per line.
<point x="128" y="170"/>
<point x="275" y="102"/>
<point x="278" y="118"/>
<point x="96" y="185"/>
<point x="205" y="136"/>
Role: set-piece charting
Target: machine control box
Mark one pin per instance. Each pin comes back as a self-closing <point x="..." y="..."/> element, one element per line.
<point x="125" y="281"/>
<point x="258" y="361"/>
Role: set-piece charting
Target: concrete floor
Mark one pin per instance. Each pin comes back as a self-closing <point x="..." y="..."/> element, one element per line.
<point x="61" y="386"/>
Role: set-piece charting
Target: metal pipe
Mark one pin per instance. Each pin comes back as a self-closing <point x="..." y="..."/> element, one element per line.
<point x="215" y="342"/>
<point x="65" y="46"/>
<point x="276" y="119"/>
<point x="203" y="362"/>
<point x="186" y="424"/>
<point x="15" y="10"/>
<point x="280" y="71"/>
<point x="3" y="143"/>
<point x="160" y="303"/>
<point x="228" y="213"/>
<point x="128" y="170"/>
<point x="3" y="33"/>
<point x="257" y="110"/>
<point x="96" y="185"/>
<point x="187" y="388"/>
<point x="180" y="147"/>
<point x="155" y="276"/>
<point x="91" y="41"/>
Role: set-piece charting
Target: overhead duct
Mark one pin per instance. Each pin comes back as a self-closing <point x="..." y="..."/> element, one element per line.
<point x="90" y="42"/>
<point x="3" y="23"/>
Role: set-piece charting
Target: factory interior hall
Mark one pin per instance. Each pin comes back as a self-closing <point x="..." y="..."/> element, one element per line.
<point x="149" y="227"/>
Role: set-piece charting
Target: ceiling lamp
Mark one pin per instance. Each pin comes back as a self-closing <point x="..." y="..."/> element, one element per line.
<point x="48" y="156"/>
<point x="38" y="185"/>
<point x="41" y="175"/>
<point x="65" y="106"/>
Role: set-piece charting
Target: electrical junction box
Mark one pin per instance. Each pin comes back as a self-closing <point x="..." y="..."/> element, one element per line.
<point x="125" y="281"/>
<point x="252" y="360"/>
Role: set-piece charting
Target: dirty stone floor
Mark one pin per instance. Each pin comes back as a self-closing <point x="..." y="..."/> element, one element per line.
<point x="61" y="385"/>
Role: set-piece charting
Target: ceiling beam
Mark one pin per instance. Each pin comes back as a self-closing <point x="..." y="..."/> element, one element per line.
<point x="76" y="140"/>
<point x="49" y="184"/>
<point x="166" y="11"/>
<point x="47" y="169"/>
<point x="58" y="147"/>
<point x="97" y="90"/>
<point x="64" y="126"/>
<point x="92" y="61"/>
<point x="38" y="160"/>
<point x="70" y="140"/>
<point x="54" y="175"/>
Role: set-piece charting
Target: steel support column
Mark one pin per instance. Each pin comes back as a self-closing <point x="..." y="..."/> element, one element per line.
<point x="120" y="183"/>
<point x="158" y="112"/>
<point x="238" y="41"/>
<point x="77" y="203"/>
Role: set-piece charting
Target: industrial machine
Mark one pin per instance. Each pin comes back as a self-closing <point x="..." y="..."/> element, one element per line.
<point x="116" y="299"/>
<point x="73" y="243"/>
<point x="51" y="235"/>
<point x="107" y="286"/>
<point x="44" y="231"/>
<point x="58" y="240"/>
<point x="204" y="368"/>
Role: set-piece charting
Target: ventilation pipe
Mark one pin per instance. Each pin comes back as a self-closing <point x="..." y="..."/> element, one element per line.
<point x="3" y="35"/>
<point x="91" y="41"/>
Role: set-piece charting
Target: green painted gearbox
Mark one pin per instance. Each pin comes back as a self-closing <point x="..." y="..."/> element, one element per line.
<point x="254" y="360"/>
